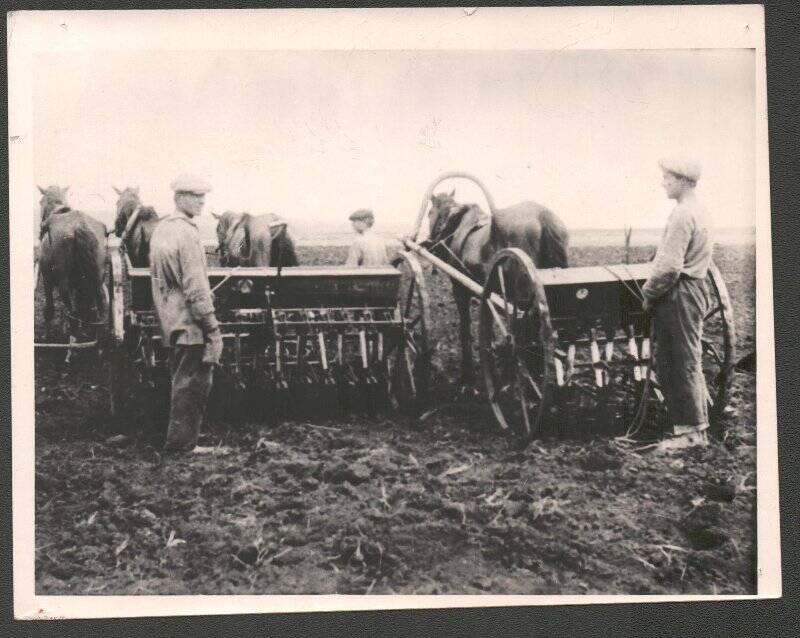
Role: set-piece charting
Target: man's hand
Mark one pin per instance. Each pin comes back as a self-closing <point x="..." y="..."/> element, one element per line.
<point x="213" y="348"/>
<point x="647" y="305"/>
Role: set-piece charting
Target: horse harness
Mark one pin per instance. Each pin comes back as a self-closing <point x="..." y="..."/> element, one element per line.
<point x="44" y="226"/>
<point x="132" y="218"/>
<point x="455" y="250"/>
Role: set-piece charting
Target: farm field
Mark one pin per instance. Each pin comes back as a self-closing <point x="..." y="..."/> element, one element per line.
<point x="380" y="506"/>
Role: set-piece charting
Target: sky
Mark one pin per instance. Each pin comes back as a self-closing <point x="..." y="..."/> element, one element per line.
<point x="314" y="135"/>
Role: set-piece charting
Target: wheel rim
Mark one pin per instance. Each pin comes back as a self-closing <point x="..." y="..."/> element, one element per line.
<point x="410" y="373"/>
<point x="515" y="344"/>
<point x="719" y="343"/>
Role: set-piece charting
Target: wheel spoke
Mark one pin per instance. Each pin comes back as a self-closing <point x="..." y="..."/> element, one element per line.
<point x="709" y="347"/>
<point x="497" y="318"/>
<point x="410" y="372"/>
<point x="524" y="408"/>
<point x="712" y="312"/>
<point x="530" y="381"/>
<point x="502" y="279"/>
<point x="411" y="324"/>
<point x="409" y="295"/>
<point x="709" y="399"/>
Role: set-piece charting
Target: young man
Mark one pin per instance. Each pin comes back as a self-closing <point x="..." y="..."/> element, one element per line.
<point x="368" y="249"/>
<point x="676" y="295"/>
<point x="184" y="306"/>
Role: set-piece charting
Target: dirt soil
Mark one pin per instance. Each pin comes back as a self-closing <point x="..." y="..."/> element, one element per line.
<point x="378" y="506"/>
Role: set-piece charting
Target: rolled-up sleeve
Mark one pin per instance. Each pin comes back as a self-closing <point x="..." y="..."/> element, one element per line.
<point x="194" y="281"/>
<point x="669" y="260"/>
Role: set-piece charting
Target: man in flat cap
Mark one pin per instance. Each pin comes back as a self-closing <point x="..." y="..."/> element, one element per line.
<point x="184" y="305"/>
<point x="368" y="249"/>
<point x="676" y="295"/>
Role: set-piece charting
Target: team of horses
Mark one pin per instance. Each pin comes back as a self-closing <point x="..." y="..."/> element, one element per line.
<point x="73" y="248"/>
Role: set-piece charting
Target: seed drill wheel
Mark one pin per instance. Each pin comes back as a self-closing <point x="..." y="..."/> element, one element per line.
<point x="411" y="364"/>
<point x="719" y="347"/>
<point x="121" y="377"/>
<point x="516" y="344"/>
<point x="719" y="351"/>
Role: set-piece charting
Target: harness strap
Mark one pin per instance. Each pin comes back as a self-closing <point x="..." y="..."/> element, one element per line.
<point x="129" y="226"/>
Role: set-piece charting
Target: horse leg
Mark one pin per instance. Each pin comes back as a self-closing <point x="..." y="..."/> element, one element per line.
<point x="65" y="293"/>
<point x="49" y="308"/>
<point x="462" y="297"/>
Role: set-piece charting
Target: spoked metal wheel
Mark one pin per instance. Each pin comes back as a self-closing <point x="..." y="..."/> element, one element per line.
<point x="719" y="349"/>
<point x="121" y="377"/>
<point x="516" y="344"/>
<point x="410" y="367"/>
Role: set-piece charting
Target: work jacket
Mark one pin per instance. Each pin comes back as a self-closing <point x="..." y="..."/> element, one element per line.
<point x="181" y="293"/>
<point x="686" y="249"/>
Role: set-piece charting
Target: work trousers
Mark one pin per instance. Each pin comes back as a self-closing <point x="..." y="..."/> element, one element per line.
<point x="191" y="385"/>
<point x="679" y="356"/>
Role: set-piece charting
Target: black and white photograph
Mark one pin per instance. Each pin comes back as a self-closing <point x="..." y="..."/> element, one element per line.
<point x="416" y="303"/>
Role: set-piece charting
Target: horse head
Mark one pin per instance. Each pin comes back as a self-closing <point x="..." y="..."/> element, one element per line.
<point x="127" y="203"/>
<point x="232" y="237"/>
<point x="54" y="198"/>
<point x="446" y="217"/>
<point x="443" y="205"/>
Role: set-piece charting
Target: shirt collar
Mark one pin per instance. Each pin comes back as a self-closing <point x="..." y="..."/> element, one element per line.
<point x="180" y="214"/>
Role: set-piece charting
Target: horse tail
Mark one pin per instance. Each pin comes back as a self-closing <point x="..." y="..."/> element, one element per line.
<point x="554" y="241"/>
<point x="85" y="276"/>
<point x="282" y="251"/>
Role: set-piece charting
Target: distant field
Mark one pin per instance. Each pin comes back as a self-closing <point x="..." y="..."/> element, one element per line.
<point x="306" y="234"/>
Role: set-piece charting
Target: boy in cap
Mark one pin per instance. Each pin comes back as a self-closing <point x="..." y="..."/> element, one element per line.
<point x="368" y="249"/>
<point x="676" y="295"/>
<point x="184" y="306"/>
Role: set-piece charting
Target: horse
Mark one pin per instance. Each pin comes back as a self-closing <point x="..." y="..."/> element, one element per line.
<point x="134" y="226"/>
<point x="254" y="240"/>
<point x="467" y="238"/>
<point x="72" y="258"/>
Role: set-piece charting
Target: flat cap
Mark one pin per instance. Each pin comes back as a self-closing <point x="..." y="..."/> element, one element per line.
<point x="681" y="166"/>
<point x="362" y="214"/>
<point x="186" y="183"/>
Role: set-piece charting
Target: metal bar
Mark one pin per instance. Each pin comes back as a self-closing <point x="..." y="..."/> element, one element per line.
<point x="78" y="345"/>
<point x="323" y="355"/>
<point x="446" y="268"/>
<point x="645" y="355"/>
<point x="362" y="338"/>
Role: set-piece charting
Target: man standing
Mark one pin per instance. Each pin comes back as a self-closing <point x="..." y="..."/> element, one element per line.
<point x="676" y="295"/>
<point x="184" y="305"/>
<point x="368" y="249"/>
